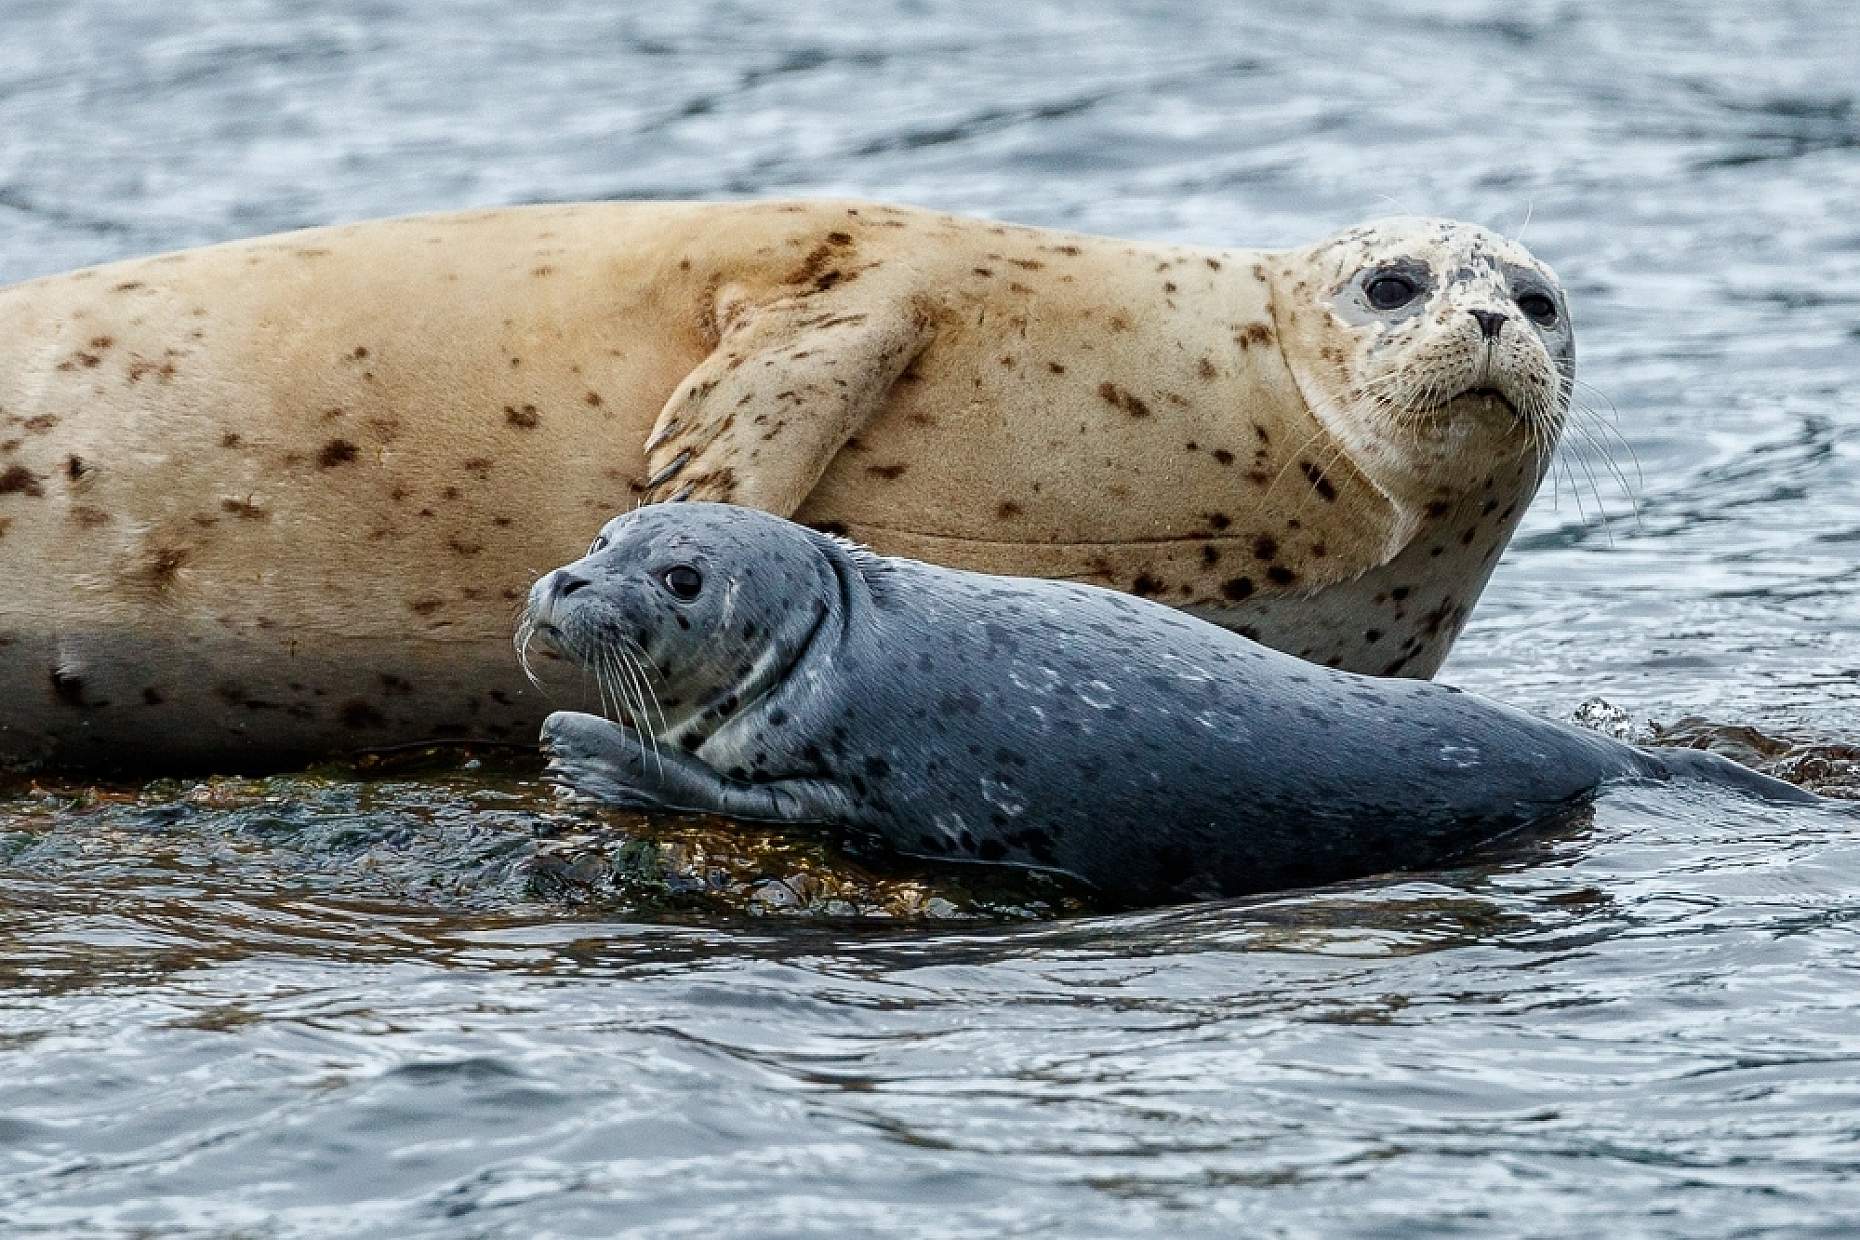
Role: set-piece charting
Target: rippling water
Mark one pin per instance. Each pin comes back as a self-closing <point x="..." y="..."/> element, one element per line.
<point x="421" y="1001"/>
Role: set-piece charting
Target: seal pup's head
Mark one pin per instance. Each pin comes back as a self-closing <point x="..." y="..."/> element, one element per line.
<point x="1424" y="345"/>
<point x="686" y="613"/>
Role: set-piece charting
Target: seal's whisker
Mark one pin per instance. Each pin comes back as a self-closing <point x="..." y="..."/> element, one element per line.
<point x="1595" y="489"/>
<point x="526" y="631"/>
<point x="642" y="721"/>
<point x="1591" y="440"/>
<point x="1611" y="425"/>
<point x="647" y="671"/>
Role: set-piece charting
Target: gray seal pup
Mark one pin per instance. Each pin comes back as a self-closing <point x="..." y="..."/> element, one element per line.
<point x="766" y="671"/>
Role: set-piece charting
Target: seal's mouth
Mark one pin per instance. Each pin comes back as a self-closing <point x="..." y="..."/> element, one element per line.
<point x="1488" y="393"/>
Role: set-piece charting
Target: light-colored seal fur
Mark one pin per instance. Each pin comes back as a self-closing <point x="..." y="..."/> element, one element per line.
<point x="281" y="496"/>
<point x="772" y="672"/>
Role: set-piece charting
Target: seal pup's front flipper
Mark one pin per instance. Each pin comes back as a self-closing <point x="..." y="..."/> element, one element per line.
<point x="596" y="760"/>
<point x="758" y="421"/>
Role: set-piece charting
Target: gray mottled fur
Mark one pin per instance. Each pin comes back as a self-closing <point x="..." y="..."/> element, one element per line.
<point x="967" y="717"/>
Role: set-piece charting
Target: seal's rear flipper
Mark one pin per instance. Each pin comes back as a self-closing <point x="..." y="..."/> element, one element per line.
<point x="596" y="760"/>
<point x="1702" y="764"/>
<point x="758" y="421"/>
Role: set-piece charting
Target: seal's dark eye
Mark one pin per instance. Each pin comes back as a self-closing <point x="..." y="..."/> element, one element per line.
<point x="683" y="581"/>
<point x="1390" y="292"/>
<point x="1539" y="307"/>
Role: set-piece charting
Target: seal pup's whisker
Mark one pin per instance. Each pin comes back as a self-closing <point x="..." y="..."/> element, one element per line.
<point x="526" y="632"/>
<point x="636" y="703"/>
<point x="648" y="671"/>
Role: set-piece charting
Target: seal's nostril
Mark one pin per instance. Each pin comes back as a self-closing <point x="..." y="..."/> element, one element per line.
<point x="1491" y="322"/>
<point x="567" y="583"/>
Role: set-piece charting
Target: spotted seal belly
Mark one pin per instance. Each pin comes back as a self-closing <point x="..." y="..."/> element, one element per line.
<point x="770" y="672"/>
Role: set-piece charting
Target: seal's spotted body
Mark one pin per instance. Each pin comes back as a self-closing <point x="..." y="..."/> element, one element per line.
<point x="778" y="674"/>
<point x="280" y="496"/>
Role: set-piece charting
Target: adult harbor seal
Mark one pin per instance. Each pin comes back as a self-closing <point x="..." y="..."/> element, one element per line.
<point x="278" y="497"/>
<point x="766" y="671"/>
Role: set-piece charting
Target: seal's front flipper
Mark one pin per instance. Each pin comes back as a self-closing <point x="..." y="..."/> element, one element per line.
<point x="758" y="421"/>
<point x="595" y="760"/>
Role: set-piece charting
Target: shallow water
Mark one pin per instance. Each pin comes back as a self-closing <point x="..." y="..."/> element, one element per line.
<point x="422" y="1001"/>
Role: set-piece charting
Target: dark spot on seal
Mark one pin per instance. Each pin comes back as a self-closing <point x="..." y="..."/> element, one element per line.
<point x="1400" y="592"/>
<point x="887" y="472"/>
<point x="1252" y="334"/>
<point x="1237" y="588"/>
<point x="357" y="713"/>
<point x="152" y="697"/>
<point x="991" y="850"/>
<point x="1007" y="508"/>
<point x="1223" y="456"/>
<point x="1219" y="520"/>
<point x="524" y="418"/>
<point x="1319" y="482"/>
<point x="68" y="688"/>
<point x="1438" y="508"/>
<point x="1119" y="398"/>
<point x="336" y="452"/>
<point x="1372" y="636"/>
<point x="18" y="480"/>
<point x="162" y="566"/>
<point x="1146" y="586"/>
<point x="1266" y="547"/>
<point x="230" y="439"/>
<point x="1056" y="368"/>
<point x="1210" y="554"/>
<point x="425" y="606"/>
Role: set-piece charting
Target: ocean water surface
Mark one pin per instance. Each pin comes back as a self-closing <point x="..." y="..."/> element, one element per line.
<point x="413" y="997"/>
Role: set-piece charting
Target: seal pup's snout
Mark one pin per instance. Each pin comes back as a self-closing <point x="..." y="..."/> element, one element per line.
<point x="549" y="590"/>
<point x="563" y="583"/>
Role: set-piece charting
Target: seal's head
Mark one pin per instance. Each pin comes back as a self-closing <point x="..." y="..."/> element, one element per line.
<point x="687" y="612"/>
<point x="1422" y="344"/>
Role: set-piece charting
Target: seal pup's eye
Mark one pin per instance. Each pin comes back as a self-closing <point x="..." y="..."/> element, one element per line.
<point x="1390" y="292"/>
<point x="1539" y="307"/>
<point x="683" y="581"/>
